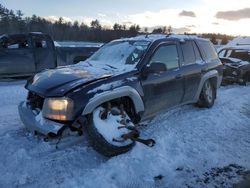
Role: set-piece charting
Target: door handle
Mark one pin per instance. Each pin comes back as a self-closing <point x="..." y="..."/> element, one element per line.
<point x="179" y="76"/>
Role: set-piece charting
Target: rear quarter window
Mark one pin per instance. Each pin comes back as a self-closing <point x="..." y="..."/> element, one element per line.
<point x="208" y="50"/>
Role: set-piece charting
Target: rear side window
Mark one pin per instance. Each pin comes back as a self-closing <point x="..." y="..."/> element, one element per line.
<point x="39" y="42"/>
<point x="197" y="52"/>
<point x="168" y="55"/>
<point x="188" y="52"/>
<point x="208" y="50"/>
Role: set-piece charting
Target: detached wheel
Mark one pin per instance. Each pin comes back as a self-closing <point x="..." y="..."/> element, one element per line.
<point x="207" y="96"/>
<point x="105" y="132"/>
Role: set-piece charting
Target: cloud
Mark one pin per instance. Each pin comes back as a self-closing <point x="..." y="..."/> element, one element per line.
<point x="234" y="15"/>
<point x="102" y="15"/>
<point x="190" y="26"/>
<point x="56" y="18"/>
<point x="181" y="30"/>
<point x="177" y="30"/>
<point x="187" y="13"/>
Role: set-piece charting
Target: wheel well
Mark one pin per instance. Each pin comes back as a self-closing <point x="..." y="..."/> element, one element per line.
<point x="128" y="106"/>
<point x="214" y="81"/>
<point x="247" y="74"/>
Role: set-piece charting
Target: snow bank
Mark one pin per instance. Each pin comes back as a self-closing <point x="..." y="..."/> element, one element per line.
<point x="239" y="41"/>
<point x="189" y="142"/>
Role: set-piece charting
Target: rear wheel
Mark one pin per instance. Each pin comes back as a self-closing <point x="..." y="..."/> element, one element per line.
<point x="105" y="130"/>
<point x="207" y="96"/>
<point x="246" y="78"/>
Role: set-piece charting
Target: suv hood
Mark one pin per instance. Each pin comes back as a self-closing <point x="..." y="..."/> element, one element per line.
<point x="233" y="62"/>
<point x="57" y="82"/>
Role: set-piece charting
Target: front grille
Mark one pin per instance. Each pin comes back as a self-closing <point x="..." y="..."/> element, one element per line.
<point x="35" y="101"/>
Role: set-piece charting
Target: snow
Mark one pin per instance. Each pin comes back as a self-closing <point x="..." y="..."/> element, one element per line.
<point x="74" y="44"/>
<point x="153" y="37"/>
<point x="105" y="87"/>
<point x="238" y="41"/>
<point x="242" y="43"/>
<point x="191" y="143"/>
<point x="116" y="57"/>
<point x="109" y="128"/>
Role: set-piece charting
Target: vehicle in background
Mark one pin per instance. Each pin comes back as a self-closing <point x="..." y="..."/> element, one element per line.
<point x="125" y="82"/>
<point x="27" y="54"/>
<point x="236" y="64"/>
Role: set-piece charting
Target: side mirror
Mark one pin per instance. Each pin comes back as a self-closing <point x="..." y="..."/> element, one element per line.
<point x="157" y="67"/>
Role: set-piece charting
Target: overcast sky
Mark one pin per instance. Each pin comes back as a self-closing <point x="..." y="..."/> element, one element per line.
<point x="220" y="16"/>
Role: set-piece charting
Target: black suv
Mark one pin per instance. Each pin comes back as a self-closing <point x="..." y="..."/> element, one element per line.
<point x="125" y="82"/>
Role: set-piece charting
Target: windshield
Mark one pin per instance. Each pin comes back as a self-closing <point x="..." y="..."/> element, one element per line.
<point x="243" y="55"/>
<point x="120" y="53"/>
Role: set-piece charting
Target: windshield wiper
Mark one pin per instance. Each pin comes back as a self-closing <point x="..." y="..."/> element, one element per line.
<point x="110" y="66"/>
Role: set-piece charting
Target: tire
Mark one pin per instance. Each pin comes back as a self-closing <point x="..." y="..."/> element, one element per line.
<point x="207" y="95"/>
<point x="101" y="144"/>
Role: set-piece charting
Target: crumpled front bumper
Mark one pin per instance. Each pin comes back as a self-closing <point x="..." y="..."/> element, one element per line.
<point x="232" y="75"/>
<point x="34" y="121"/>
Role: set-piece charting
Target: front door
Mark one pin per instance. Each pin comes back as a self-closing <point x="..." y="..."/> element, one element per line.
<point x="44" y="52"/>
<point x="165" y="89"/>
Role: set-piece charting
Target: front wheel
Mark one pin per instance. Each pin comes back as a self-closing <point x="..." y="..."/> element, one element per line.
<point x="105" y="129"/>
<point x="207" y="96"/>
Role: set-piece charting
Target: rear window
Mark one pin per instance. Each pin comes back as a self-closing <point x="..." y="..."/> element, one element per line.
<point x="243" y="55"/>
<point x="208" y="50"/>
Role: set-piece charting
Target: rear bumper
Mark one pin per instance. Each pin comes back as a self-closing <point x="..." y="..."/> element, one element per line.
<point x="34" y="121"/>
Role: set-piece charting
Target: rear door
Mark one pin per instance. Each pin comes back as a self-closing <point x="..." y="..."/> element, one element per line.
<point x="44" y="52"/>
<point x="192" y="67"/>
<point x="164" y="89"/>
<point x="16" y="56"/>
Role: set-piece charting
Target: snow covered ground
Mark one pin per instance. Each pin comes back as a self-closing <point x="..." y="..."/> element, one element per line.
<point x="194" y="148"/>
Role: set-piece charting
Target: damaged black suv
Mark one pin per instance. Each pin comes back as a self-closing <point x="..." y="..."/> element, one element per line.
<point x="236" y="64"/>
<point x="125" y="82"/>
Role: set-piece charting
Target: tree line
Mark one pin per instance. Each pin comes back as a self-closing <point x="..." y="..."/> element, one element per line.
<point x="12" y="22"/>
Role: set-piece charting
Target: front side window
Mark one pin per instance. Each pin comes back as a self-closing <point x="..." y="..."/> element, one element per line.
<point x="167" y="55"/>
<point x="14" y="43"/>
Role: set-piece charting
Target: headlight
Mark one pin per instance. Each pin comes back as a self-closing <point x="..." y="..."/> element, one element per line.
<point x="58" y="109"/>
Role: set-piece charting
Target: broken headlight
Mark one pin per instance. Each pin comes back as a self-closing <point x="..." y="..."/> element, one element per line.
<point x="60" y="109"/>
